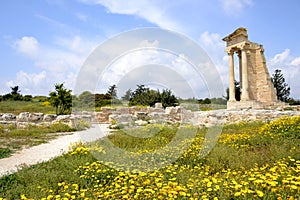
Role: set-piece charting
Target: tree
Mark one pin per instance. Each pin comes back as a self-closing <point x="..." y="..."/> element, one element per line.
<point x="168" y="99"/>
<point x="27" y="97"/>
<point x="128" y="95"/>
<point x="282" y="88"/>
<point x="141" y="96"/>
<point x="112" y="91"/>
<point x="102" y="100"/>
<point x="61" y="99"/>
<point x="204" y="101"/>
<point x="15" y="93"/>
<point x="144" y="96"/>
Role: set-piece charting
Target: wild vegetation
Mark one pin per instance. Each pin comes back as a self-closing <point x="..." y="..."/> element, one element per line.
<point x="250" y="161"/>
<point x="13" y="139"/>
<point x="35" y="105"/>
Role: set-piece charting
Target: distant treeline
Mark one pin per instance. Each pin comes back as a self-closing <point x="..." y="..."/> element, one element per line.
<point x="15" y="95"/>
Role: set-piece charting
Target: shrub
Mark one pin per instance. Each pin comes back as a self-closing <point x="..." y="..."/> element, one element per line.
<point x="5" y="152"/>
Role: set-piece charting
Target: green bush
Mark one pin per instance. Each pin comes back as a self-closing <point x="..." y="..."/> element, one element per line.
<point x="5" y="152"/>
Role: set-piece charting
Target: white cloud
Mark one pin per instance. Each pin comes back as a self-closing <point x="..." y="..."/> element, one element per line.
<point x="214" y="46"/>
<point x="281" y="58"/>
<point x="152" y="11"/>
<point x="296" y="62"/>
<point x="235" y="7"/>
<point x="290" y="67"/>
<point x="28" y="46"/>
<point x="28" y="81"/>
<point x="159" y="68"/>
<point x="58" y="63"/>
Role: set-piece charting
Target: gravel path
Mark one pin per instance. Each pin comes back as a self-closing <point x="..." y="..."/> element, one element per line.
<point x="53" y="148"/>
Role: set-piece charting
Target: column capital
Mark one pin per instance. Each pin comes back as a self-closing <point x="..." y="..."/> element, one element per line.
<point x="230" y="51"/>
<point x="244" y="46"/>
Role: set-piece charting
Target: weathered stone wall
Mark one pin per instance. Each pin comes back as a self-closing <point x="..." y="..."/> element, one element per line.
<point x="25" y="118"/>
<point x="221" y="117"/>
<point x="135" y="116"/>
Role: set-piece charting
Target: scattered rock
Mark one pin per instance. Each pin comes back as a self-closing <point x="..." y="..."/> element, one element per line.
<point x="49" y="117"/>
<point x="23" y="117"/>
<point x="141" y="123"/>
<point x="9" y="117"/>
<point x="36" y="117"/>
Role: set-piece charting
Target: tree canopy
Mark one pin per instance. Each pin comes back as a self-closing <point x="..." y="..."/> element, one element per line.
<point x="15" y="95"/>
<point x="61" y="99"/>
<point x="282" y="88"/>
<point x="148" y="97"/>
<point x="112" y="91"/>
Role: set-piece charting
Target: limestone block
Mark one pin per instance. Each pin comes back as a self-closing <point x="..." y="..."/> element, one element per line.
<point x="123" y="110"/>
<point x="158" y="105"/>
<point x="23" y="125"/>
<point x="107" y="110"/>
<point x="141" y="115"/>
<point x="102" y="117"/>
<point x="9" y="117"/>
<point x="36" y="117"/>
<point x="141" y="123"/>
<point x="172" y="110"/>
<point x="62" y="118"/>
<point x="49" y="117"/>
<point x="134" y="109"/>
<point x="6" y="123"/>
<point x="118" y="119"/>
<point x="156" y="110"/>
<point x="158" y="117"/>
<point x="23" y="117"/>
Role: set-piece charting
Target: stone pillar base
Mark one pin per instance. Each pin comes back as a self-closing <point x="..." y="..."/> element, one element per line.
<point x="252" y="104"/>
<point x="238" y="105"/>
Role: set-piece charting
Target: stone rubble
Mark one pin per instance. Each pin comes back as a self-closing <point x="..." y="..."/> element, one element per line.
<point x="135" y="116"/>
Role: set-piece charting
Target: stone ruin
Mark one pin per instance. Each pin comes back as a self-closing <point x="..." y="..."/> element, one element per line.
<point x="141" y="116"/>
<point x="25" y="119"/>
<point x="257" y="89"/>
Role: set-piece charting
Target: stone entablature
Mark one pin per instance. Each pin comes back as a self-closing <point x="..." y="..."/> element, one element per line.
<point x="257" y="90"/>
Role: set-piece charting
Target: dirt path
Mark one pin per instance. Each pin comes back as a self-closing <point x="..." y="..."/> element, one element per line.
<point x="53" y="148"/>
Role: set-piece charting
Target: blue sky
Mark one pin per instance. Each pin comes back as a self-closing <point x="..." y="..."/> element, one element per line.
<point x="43" y="42"/>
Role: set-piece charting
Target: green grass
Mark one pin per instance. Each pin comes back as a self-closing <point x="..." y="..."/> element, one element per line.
<point x="13" y="139"/>
<point x="16" y="107"/>
<point x="250" y="161"/>
<point x="5" y="152"/>
<point x="43" y="175"/>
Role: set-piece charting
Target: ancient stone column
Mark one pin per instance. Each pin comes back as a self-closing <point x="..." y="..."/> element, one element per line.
<point x="245" y="90"/>
<point x="240" y="68"/>
<point x="231" y="76"/>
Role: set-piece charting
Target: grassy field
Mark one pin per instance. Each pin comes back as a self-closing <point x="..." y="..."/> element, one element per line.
<point x="249" y="161"/>
<point x="13" y="139"/>
<point x="17" y="107"/>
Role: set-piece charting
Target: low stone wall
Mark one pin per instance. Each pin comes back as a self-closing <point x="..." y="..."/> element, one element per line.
<point x="136" y="116"/>
<point x="141" y="116"/>
<point x="25" y="118"/>
<point x="221" y="117"/>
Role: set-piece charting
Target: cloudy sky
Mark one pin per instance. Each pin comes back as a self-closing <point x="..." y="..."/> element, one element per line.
<point x="43" y="42"/>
